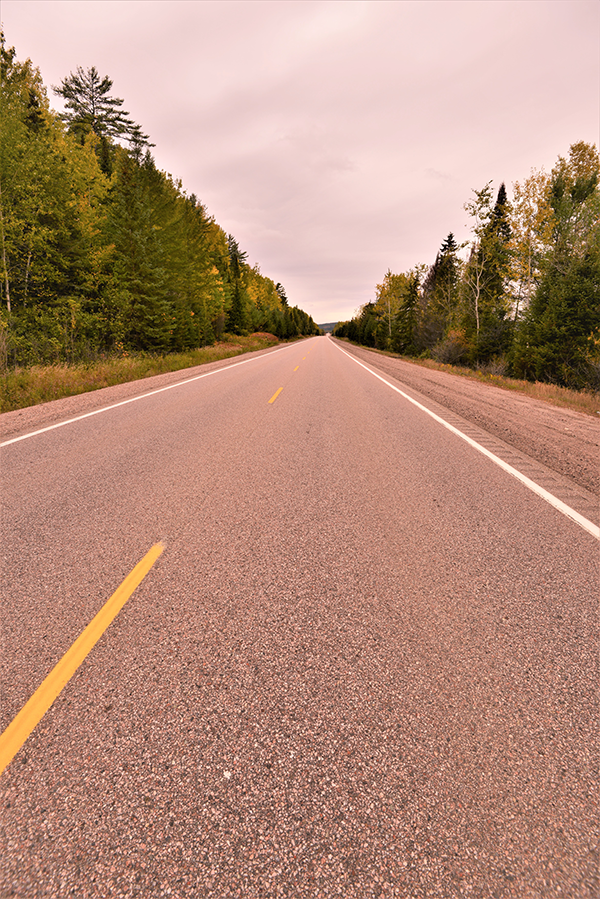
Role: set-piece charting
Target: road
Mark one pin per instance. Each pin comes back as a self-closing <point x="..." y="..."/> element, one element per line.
<point x="564" y="441"/>
<point x="364" y="665"/>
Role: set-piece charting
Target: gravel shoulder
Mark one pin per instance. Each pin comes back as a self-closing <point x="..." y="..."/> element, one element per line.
<point x="565" y="441"/>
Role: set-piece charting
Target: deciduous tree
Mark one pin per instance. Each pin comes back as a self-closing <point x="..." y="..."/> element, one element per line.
<point x="559" y="337"/>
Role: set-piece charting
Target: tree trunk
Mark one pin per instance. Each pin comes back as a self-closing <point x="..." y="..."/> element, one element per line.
<point x="4" y="265"/>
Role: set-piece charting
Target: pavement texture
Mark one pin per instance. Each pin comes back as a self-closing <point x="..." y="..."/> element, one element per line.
<point x="365" y="665"/>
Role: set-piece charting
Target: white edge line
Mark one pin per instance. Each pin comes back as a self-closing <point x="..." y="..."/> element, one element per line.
<point x="141" y="396"/>
<point x="587" y="525"/>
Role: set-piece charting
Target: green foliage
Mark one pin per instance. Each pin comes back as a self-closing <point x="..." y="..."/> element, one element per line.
<point x="527" y="297"/>
<point x="405" y="337"/>
<point x="390" y="295"/>
<point x="439" y="309"/>
<point x="485" y="303"/>
<point x="559" y="337"/>
<point x="238" y="316"/>
<point x="102" y="253"/>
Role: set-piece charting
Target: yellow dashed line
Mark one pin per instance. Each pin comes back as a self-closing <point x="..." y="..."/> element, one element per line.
<point x="275" y="395"/>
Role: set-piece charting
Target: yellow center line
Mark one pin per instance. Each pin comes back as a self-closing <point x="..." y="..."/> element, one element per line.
<point x="34" y="710"/>
<point x="275" y="395"/>
<point x="297" y="367"/>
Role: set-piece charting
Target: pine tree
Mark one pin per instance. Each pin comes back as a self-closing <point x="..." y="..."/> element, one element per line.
<point x="281" y="293"/>
<point x="140" y="282"/>
<point x="237" y="310"/>
<point x="91" y="108"/>
<point x="405" y="330"/>
<point x="440" y="294"/>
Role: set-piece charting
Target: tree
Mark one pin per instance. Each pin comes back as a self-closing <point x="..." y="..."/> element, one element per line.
<point x="91" y="108"/>
<point x="237" y="310"/>
<point x="140" y="288"/>
<point x="50" y="193"/>
<point x="389" y="296"/>
<point x="440" y="294"/>
<point x="91" y="264"/>
<point x="20" y="85"/>
<point x="574" y="201"/>
<point x="559" y="337"/>
<point x="486" y="303"/>
<point x="531" y="223"/>
<point x="405" y="330"/>
<point x="281" y="293"/>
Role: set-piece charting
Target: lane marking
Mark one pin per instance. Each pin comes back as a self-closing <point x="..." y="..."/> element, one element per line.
<point x="275" y="395"/>
<point x="142" y="396"/>
<point x="297" y="367"/>
<point x="34" y="710"/>
<point x="575" y="516"/>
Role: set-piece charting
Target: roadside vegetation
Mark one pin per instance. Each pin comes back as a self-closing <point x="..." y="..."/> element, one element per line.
<point x="28" y="386"/>
<point x="520" y="299"/>
<point x="107" y="265"/>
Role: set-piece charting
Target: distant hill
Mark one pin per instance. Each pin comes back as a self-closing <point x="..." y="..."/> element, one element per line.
<point x="329" y="326"/>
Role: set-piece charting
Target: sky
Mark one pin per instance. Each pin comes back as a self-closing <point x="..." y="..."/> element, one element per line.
<point x="334" y="140"/>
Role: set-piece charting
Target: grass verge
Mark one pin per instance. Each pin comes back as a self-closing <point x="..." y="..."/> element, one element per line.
<point x="23" y="387"/>
<point x="586" y="401"/>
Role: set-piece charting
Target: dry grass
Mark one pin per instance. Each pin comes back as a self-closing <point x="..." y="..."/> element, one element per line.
<point x="585" y="401"/>
<point x="23" y="387"/>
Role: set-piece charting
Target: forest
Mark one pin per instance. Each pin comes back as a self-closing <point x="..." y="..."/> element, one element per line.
<point x="520" y="298"/>
<point x="102" y="253"/>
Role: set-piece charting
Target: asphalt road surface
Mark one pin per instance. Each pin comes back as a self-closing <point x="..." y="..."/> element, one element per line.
<point x="365" y="664"/>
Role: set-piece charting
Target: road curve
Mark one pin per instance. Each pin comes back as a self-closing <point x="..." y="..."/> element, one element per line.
<point x="365" y="664"/>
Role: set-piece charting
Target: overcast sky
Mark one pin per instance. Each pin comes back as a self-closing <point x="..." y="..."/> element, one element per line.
<point x="335" y="140"/>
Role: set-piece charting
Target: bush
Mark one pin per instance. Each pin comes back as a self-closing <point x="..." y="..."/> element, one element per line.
<point x="452" y="349"/>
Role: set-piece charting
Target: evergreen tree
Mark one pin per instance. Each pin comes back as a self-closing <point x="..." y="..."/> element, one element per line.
<point x="91" y="108"/>
<point x="439" y="296"/>
<point x="281" y="293"/>
<point x="237" y="310"/>
<point x="140" y="283"/>
<point x="405" y="330"/>
<point x="91" y="263"/>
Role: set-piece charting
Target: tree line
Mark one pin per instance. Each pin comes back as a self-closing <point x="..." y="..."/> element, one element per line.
<point x="101" y="252"/>
<point x="521" y="297"/>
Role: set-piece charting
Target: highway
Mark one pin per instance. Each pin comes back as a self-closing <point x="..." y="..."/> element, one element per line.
<point x="364" y="664"/>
